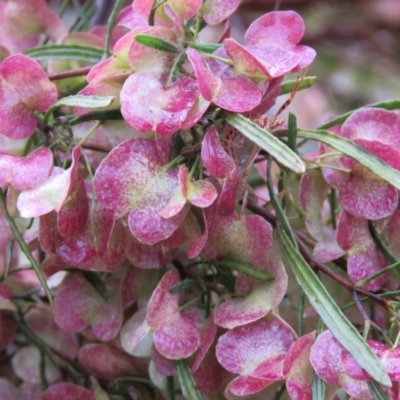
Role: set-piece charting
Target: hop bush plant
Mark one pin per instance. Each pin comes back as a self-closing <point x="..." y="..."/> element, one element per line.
<point x="164" y="234"/>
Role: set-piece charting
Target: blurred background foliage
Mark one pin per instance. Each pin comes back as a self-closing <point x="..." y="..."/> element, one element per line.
<point x="358" y="53"/>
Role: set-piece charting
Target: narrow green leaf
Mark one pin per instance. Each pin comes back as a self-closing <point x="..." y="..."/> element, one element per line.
<point x="382" y="246"/>
<point x="186" y="381"/>
<point x="183" y="285"/>
<point x="170" y="394"/>
<point x="292" y="132"/>
<point x="105" y="115"/>
<point x="206" y="47"/>
<point x="280" y="213"/>
<point x="387" y="105"/>
<point x="247" y="269"/>
<point x="156" y="43"/>
<point x="91" y="102"/>
<point x="98" y="285"/>
<point x="66" y="52"/>
<point x="347" y="147"/>
<point x="300" y="314"/>
<point x="306" y="82"/>
<point x="85" y="13"/>
<point x="266" y="141"/>
<point x="376" y="391"/>
<point x="330" y="313"/>
<point x="118" y="4"/>
<point x="9" y="254"/>
<point x="318" y="388"/>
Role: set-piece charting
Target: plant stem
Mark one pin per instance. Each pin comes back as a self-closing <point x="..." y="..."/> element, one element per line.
<point x="25" y="249"/>
<point x="111" y="23"/>
<point x="69" y="74"/>
<point x="224" y="60"/>
<point x="89" y="133"/>
<point x="379" y="273"/>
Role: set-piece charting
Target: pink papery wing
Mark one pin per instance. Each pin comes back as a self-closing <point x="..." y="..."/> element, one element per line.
<point x="25" y="173"/>
<point x="147" y="106"/>
<point x="364" y="257"/>
<point x="79" y="305"/>
<point x="67" y="391"/>
<point x="24" y="88"/>
<point x="132" y="177"/>
<point x="175" y="335"/>
<point x="233" y="93"/>
<point x="298" y="369"/>
<point x="269" y="339"/>
<point x="108" y="362"/>
<point x="215" y="11"/>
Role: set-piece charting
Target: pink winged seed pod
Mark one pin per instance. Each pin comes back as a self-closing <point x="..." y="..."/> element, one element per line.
<point x="337" y="367"/>
<point x="24" y="88"/>
<point x="148" y="223"/>
<point x="175" y="335"/>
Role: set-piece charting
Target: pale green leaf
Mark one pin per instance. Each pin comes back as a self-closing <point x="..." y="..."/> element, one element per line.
<point x="305" y="83"/>
<point x="66" y="52"/>
<point x="318" y="388"/>
<point x="387" y="105"/>
<point x="206" y="47"/>
<point x="264" y="139"/>
<point x="156" y="43"/>
<point x="376" y="391"/>
<point x="347" y="147"/>
<point x="184" y="285"/>
<point x="188" y="385"/>
<point x="330" y="313"/>
<point x="280" y="213"/>
<point x="247" y="269"/>
<point x="112" y="115"/>
<point x="91" y="102"/>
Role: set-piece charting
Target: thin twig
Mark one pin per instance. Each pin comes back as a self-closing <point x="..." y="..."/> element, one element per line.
<point x="69" y="74"/>
<point x="25" y="249"/>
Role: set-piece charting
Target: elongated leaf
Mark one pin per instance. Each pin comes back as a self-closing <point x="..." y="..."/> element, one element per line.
<point x="376" y="391"/>
<point x="66" y="52"/>
<point x="186" y="381"/>
<point x="184" y="285"/>
<point x="330" y="313"/>
<point x="368" y="160"/>
<point x="118" y="4"/>
<point x="9" y="254"/>
<point x="387" y="105"/>
<point x="114" y="115"/>
<point x="292" y="132"/>
<point x="98" y="284"/>
<point x="280" y="213"/>
<point x="156" y="43"/>
<point x="247" y="269"/>
<point x="266" y="141"/>
<point x="382" y="246"/>
<point x="318" y="388"/>
<point x="206" y="47"/>
<point x="306" y="82"/>
<point x="92" y="102"/>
